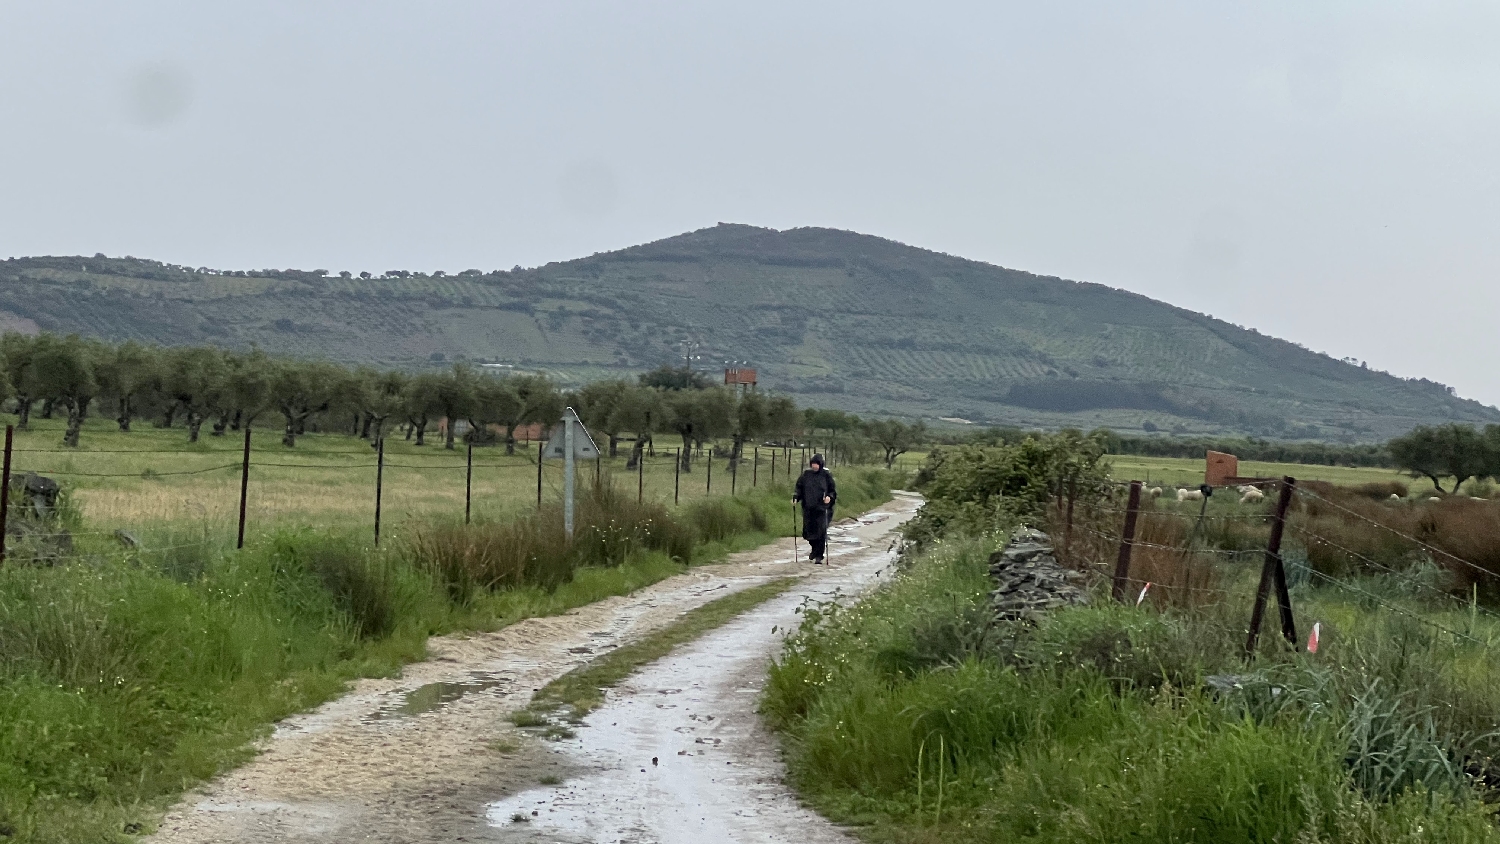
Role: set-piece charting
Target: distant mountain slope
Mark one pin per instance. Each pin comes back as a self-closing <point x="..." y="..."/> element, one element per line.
<point x="840" y="318"/>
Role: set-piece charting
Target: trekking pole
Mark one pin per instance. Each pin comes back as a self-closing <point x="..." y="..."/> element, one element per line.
<point x="796" y="558"/>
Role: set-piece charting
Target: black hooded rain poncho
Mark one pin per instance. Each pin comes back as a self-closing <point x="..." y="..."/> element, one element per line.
<point x="813" y="486"/>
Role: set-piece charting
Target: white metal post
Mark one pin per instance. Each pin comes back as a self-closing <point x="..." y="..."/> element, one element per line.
<point x="568" y="474"/>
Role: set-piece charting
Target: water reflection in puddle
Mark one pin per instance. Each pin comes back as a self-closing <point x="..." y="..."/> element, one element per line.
<point x="434" y="696"/>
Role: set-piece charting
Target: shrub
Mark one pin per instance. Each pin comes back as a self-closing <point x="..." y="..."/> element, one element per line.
<point x="373" y="589"/>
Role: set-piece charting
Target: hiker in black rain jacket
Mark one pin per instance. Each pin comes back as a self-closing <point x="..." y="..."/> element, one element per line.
<point x="817" y="494"/>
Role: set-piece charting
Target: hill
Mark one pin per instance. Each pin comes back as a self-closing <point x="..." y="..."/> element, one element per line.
<point x="837" y="318"/>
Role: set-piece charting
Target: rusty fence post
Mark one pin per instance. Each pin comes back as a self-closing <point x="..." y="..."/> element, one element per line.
<point x="1127" y="542"/>
<point x="379" y="483"/>
<point x="10" y="433"/>
<point x="1273" y="573"/>
<point x="244" y="489"/>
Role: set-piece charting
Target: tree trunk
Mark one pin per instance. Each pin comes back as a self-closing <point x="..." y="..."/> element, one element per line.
<point x="614" y="445"/>
<point x="636" y="455"/>
<point x="1434" y="479"/>
<point x="47" y="408"/>
<point x="448" y="433"/>
<point x="289" y="439"/>
<point x="194" y="425"/>
<point x="239" y="419"/>
<point x="510" y="439"/>
<point x="75" y="423"/>
<point x="422" y="431"/>
<point x="687" y="453"/>
<point x="83" y="407"/>
<point x="364" y="430"/>
<point x="23" y="412"/>
<point x="170" y="417"/>
<point x="125" y="413"/>
<point x="221" y="424"/>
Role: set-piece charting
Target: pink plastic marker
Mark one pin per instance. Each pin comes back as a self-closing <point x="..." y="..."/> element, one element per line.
<point x="1312" y="639"/>
<point x="1144" y="590"/>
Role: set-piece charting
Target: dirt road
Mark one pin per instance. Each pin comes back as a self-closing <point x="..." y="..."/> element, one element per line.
<point x="431" y="757"/>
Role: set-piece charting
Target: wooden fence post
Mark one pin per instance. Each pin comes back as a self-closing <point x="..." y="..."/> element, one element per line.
<point x="676" y="475"/>
<point x="244" y="489"/>
<point x="541" y="447"/>
<point x="1273" y="572"/>
<point x="10" y="433"/>
<point x="379" y="483"/>
<point x="640" y="476"/>
<point x="1127" y="542"/>
<point x="708" y="488"/>
<point x="755" y="469"/>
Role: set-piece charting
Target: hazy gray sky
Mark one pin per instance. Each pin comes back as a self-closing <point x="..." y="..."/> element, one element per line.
<point x="1325" y="172"/>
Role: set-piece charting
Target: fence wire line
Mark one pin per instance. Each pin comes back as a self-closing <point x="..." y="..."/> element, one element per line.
<point x="1404" y="575"/>
<point x="1228" y="517"/>
<point x="1139" y="543"/>
<point x="143" y="472"/>
<point x="1393" y="608"/>
<point x="1364" y="518"/>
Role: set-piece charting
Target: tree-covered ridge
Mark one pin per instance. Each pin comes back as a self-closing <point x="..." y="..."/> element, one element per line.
<point x="864" y="324"/>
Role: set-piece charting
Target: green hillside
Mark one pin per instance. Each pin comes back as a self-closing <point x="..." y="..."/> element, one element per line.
<point x="838" y="318"/>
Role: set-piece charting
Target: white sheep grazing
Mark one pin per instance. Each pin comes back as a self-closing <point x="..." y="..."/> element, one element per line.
<point x="1395" y="497"/>
<point x="1154" y="492"/>
<point x="1252" y="496"/>
<point x="1245" y="489"/>
<point x="1434" y="500"/>
<point x="1189" y="495"/>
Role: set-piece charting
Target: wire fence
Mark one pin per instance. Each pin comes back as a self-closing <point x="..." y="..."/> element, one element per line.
<point x="1183" y="556"/>
<point x="156" y="496"/>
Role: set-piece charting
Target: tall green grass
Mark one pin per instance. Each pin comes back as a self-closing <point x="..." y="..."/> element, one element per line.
<point x="127" y="678"/>
<point x="913" y="715"/>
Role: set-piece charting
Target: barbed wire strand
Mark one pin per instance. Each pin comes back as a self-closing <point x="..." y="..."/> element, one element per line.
<point x="1413" y="539"/>
<point x="1393" y="608"/>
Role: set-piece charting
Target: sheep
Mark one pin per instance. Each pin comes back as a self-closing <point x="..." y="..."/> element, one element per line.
<point x="1154" y="492"/>
<point x="1395" y="497"/>
<point x="1189" y="495"/>
<point x="1252" y="496"/>
<point x="1434" y="500"/>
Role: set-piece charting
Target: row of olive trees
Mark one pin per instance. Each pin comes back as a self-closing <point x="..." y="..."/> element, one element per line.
<point x="227" y="390"/>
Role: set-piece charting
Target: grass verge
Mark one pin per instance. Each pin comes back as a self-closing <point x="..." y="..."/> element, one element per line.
<point x="130" y="675"/>
<point x="916" y="717"/>
<point x="581" y="690"/>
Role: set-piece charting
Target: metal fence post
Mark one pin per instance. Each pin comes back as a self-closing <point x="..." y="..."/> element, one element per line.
<point x="540" y="448"/>
<point x="640" y="476"/>
<point x="244" y="489"/>
<point x="379" y="483"/>
<point x="677" y="475"/>
<point x="708" y="488"/>
<point x="10" y="433"/>
<point x="1127" y="542"/>
<point x="1272" y="572"/>
<point x="468" y="481"/>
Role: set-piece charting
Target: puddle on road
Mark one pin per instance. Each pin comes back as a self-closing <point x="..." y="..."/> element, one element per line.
<point x="434" y="696"/>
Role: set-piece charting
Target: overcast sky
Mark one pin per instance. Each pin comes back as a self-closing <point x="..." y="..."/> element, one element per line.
<point x="1325" y="172"/>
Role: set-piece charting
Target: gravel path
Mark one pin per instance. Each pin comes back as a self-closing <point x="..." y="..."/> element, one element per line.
<point x="431" y="756"/>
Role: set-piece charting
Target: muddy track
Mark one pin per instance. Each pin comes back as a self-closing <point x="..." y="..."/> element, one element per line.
<point x="431" y="756"/>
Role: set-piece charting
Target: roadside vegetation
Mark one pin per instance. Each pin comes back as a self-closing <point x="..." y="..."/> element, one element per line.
<point x="128" y="675"/>
<point x="919" y="717"/>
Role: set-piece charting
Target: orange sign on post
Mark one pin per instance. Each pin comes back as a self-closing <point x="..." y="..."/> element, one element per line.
<point x="1221" y="468"/>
